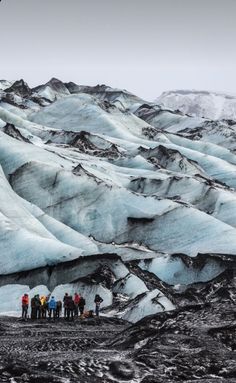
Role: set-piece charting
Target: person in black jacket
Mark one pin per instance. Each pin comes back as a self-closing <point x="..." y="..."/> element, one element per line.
<point x="70" y="308"/>
<point x="98" y="300"/>
<point x="58" y="309"/>
<point x="33" y="308"/>
<point x="65" y="302"/>
<point x="37" y="306"/>
<point x="82" y="303"/>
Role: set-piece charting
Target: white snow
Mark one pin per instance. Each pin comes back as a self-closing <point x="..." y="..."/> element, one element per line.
<point x="204" y="104"/>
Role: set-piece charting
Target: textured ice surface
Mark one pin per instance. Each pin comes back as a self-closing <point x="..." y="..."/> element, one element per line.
<point x="174" y="271"/>
<point x="131" y="285"/>
<point x="151" y="303"/>
<point x="93" y="172"/>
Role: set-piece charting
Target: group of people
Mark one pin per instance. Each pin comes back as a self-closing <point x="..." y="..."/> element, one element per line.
<point x="47" y="307"/>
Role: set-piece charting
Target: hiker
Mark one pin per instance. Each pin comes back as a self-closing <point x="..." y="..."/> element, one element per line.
<point x="98" y="300"/>
<point x="76" y="302"/>
<point x="47" y="302"/>
<point x="52" y="305"/>
<point x="37" y="307"/>
<point x="33" y="308"/>
<point x="43" y="306"/>
<point x="25" y="305"/>
<point x="70" y="308"/>
<point x="65" y="302"/>
<point x="58" y="309"/>
<point x="82" y="303"/>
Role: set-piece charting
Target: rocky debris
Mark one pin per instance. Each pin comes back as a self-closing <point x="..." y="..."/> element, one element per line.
<point x="122" y="370"/>
<point x="196" y="342"/>
<point x="103" y="276"/>
<point x="20" y="88"/>
<point x="171" y="159"/>
<point x="83" y="142"/>
<point x="12" y="131"/>
<point x="61" y="352"/>
<point x="12" y="99"/>
<point x="193" y="343"/>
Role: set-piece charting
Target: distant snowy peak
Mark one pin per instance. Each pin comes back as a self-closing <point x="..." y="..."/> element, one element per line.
<point x="215" y="106"/>
<point x="4" y="84"/>
<point x="52" y="90"/>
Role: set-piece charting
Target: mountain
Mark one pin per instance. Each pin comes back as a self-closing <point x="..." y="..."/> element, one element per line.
<point x="211" y="105"/>
<point x="103" y="192"/>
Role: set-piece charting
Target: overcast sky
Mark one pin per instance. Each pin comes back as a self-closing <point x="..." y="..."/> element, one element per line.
<point x="145" y="46"/>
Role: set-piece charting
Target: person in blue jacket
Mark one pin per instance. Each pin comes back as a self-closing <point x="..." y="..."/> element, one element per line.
<point x="52" y="305"/>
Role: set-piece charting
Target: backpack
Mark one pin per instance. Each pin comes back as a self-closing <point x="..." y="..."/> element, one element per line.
<point x="77" y="299"/>
<point x="25" y="300"/>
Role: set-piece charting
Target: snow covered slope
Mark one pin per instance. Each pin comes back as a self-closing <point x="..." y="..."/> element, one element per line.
<point x="215" y="106"/>
<point x="95" y="181"/>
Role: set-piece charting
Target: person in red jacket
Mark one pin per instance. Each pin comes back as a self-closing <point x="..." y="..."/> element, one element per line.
<point x="76" y="302"/>
<point x="25" y="305"/>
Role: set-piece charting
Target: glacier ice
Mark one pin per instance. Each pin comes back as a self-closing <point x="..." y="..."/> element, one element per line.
<point x="94" y="180"/>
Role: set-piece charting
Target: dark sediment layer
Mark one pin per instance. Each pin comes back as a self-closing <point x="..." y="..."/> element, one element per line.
<point x="190" y="344"/>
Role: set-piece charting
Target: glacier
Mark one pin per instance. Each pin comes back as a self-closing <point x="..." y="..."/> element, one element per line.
<point x="105" y="193"/>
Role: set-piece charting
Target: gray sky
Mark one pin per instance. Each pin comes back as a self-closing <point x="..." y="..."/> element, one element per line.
<point x="145" y="46"/>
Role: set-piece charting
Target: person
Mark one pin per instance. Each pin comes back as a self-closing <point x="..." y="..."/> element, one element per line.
<point x="52" y="305"/>
<point x="58" y="309"/>
<point x="33" y="308"/>
<point x="98" y="300"/>
<point x="43" y="306"/>
<point x="65" y="302"/>
<point x="76" y="302"/>
<point x="37" y="307"/>
<point x="70" y="308"/>
<point x="82" y="303"/>
<point x="25" y="305"/>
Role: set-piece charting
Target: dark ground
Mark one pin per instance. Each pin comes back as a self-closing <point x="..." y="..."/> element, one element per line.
<point x="192" y="344"/>
<point x="61" y="351"/>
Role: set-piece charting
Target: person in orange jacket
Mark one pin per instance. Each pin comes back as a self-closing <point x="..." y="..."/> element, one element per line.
<point x="25" y="305"/>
